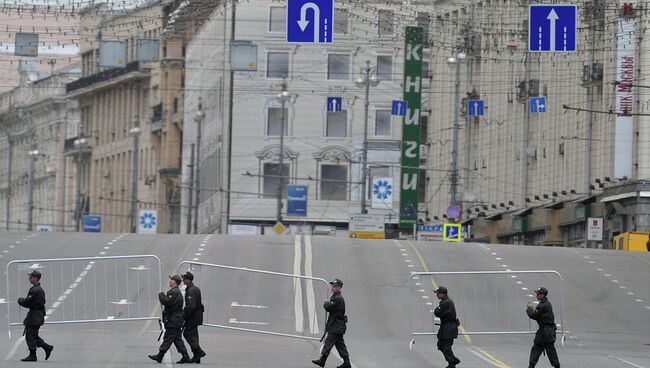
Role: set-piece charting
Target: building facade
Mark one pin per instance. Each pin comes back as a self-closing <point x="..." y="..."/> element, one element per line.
<point x="35" y="120"/>
<point x="239" y="158"/>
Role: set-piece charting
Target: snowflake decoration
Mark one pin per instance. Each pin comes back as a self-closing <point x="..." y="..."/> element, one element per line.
<point x="148" y="220"/>
<point x="382" y="189"/>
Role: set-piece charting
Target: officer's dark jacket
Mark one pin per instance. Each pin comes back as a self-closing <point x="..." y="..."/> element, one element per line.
<point x="336" y="319"/>
<point x="543" y="314"/>
<point x="193" y="312"/>
<point x="35" y="301"/>
<point x="446" y="311"/>
<point x="172" y="303"/>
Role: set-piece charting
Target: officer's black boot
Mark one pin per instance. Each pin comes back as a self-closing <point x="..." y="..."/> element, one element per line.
<point x="321" y="361"/>
<point x="31" y="357"/>
<point x="198" y="354"/>
<point x="346" y="363"/>
<point x="48" y="351"/>
<point x="158" y="357"/>
<point x="185" y="359"/>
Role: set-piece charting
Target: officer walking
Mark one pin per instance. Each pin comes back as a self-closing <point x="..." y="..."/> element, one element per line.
<point x="193" y="316"/>
<point x="172" y="303"/>
<point x="35" y="318"/>
<point x="448" y="331"/>
<point x="545" y="335"/>
<point x="335" y="326"/>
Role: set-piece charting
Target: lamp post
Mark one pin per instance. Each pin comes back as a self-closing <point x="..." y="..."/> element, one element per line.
<point x="80" y="143"/>
<point x="33" y="155"/>
<point x="454" y="61"/>
<point x="135" y="132"/>
<point x="368" y="78"/>
<point x="198" y="118"/>
<point x="283" y="97"/>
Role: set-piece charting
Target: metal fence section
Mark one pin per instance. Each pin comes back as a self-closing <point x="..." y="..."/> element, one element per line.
<point x="88" y="289"/>
<point x="487" y="302"/>
<point x="266" y="302"/>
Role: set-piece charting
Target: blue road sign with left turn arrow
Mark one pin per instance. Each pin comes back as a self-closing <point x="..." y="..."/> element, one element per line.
<point x="552" y="28"/>
<point x="334" y="104"/>
<point x="537" y="104"/>
<point x="310" y="21"/>
<point x="475" y="107"/>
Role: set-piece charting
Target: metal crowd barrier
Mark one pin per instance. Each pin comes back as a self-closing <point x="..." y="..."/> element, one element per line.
<point x="88" y="289"/>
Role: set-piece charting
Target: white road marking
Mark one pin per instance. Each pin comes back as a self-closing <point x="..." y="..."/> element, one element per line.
<point x="297" y="303"/>
<point x="3" y="301"/>
<point x="56" y="305"/>
<point x="410" y="266"/>
<point x="311" y="298"/>
<point x="107" y="247"/>
<point x="197" y="254"/>
<point x="498" y="258"/>
<point x="122" y="302"/>
<point x="638" y="300"/>
<point x="626" y="362"/>
<point x="102" y="253"/>
<point x="78" y="280"/>
<point x="14" y="348"/>
<point x="482" y="357"/>
<point x="236" y="304"/>
<point x="195" y="259"/>
<point x="235" y="321"/>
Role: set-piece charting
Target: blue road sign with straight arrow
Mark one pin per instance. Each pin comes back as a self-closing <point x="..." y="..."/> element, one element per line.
<point x="310" y="21"/>
<point x="552" y="28"/>
<point x="399" y="108"/>
<point x="475" y="107"/>
<point x="334" y="104"/>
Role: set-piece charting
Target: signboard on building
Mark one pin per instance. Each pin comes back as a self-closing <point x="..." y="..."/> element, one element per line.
<point x="624" y="131"/>
<point x="148" y="222"/>
<point x="243" y="56"/>
<point x="297" y="200"/>
<point x="408" y="208"/>
<point x="148" y="50"/>
<point x="595" y="229"/>
<point x="92" y="224"/>
<point x="112" y="54"/>
<point x="26" y="44"/>
<point x="237" y="229"/>
<point x="382" y="193"/>
<point x="367" y="226"/>
<point x="44" y="228"/>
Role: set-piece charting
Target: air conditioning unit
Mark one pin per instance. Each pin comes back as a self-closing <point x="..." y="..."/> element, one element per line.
<point x="150" y="179"/>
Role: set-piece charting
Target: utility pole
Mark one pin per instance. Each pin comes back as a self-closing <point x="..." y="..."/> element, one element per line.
<point x="135" y="132"/>
<point x="198" y="118"/>
<point x="368" y="78"/>
<point x="80" y="143"/>
<point x="590" y="113"/>
<point x="524" y="148"/>
<point x="283" y="97"/>
<point x="32" y="154"/>
<point x="8" y="194"/>
<point x="190" y="190"/>
<point x="455" y="62"/>
<point x="470" y="83"/>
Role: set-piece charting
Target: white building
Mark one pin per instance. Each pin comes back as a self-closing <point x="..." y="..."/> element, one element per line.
<point x="322" y="149"/>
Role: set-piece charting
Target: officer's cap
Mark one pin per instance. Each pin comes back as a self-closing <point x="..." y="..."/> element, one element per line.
<point x="541" y="290"/>
<point x="336" y="282"/>
<point x="188" y="276"/>
<point x="441" y="290"/>
<point x="35" y="273"/>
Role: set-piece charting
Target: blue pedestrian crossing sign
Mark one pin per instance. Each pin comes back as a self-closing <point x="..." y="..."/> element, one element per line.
<point x="552" y="28"/>
<point x="475" y="107"/>
<point x="334" y="104"/>
<point x="399" y="108"/>
<point x="452" y="232"/>
<point x="537" y="104"/>
<point x="310" y="21"/>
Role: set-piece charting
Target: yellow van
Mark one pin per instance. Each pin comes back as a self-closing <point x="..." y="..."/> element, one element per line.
<point x="632" y="241"/>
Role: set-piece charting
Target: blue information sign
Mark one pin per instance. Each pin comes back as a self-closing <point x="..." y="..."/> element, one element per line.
<point x="537" y="104"/>
<point x="399" y="108"/>
<point x="552" y="28"/>
<point x="297" y="200"/>
<point x="310" y="21"/>
<point x="475" y="107"/>
<point x="334" y="104"/>
<point x="92" y="224"/>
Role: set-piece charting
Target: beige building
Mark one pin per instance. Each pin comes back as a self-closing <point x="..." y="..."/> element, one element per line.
<point x="115" y="100"/>
<point x="510" y="159"/>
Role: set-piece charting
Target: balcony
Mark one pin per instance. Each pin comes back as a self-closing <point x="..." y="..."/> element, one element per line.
<point x="157" y="118"/>
<point x="103" y="76"/>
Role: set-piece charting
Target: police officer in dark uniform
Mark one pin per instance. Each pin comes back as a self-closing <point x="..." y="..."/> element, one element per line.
<point x="545" y="335"/>
<point x="448" y="331"/>
<point x="35" y="318"/>
<point x="193" y="316"/>
<point x="335" y="326"/>
<point x="172" y="303"/>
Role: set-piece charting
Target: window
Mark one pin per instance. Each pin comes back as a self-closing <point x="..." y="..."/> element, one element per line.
<point x="385" y="67"/>
<point x="386" y="26"/>
<point x="272" y="179"/>
<point x="424" y="20"/>
<point x="337" y="124"/>
<point x="338" y="67"/>
<point x="341" y="22"/>
<point x="425" y="68"/>
<point x="277" y="19"/>
<point x="424" y="129"/>
<point x="274" y="119"/>
<point x="382" y="123"/>
<point x="277" y="65"/>
<point x="422" y="186"/>
<point x="376" y="172"/>
<point x="334" y="182"/>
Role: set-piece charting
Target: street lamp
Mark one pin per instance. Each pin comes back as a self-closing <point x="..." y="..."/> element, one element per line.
<point x="135" y="132"/>
<point x="198" y="117"/>
<point x="454" y="62"/>
<point x="283" y="97"/>
<point x="33" y="155"/>
<point x="368" y="78"/>
<point x="80" y="143"/>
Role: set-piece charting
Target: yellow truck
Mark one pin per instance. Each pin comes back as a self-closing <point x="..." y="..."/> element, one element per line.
<point x="632" y="241"/>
